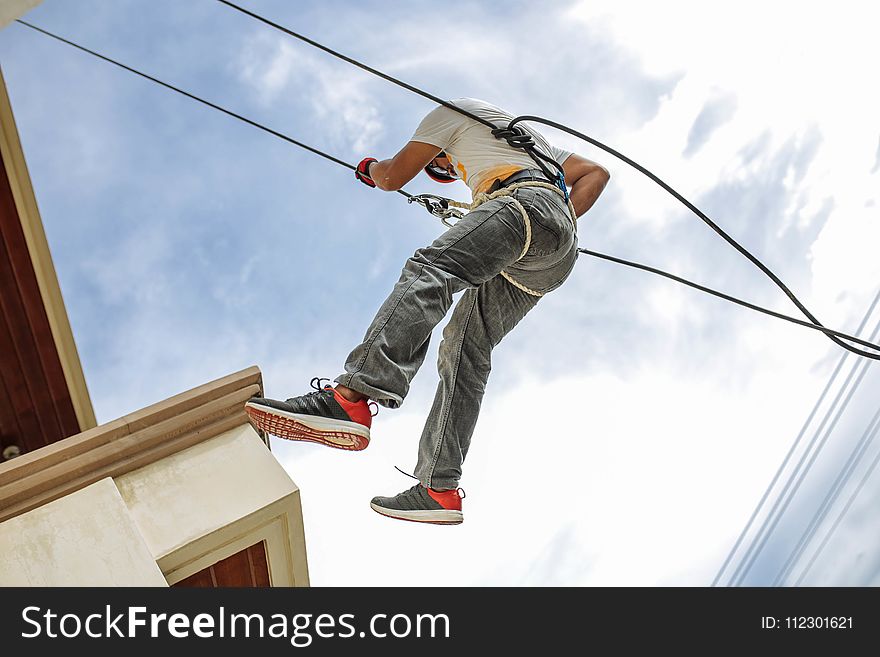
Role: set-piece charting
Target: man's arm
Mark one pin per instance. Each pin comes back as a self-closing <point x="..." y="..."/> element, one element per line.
<point x="391" y="175"/>
<point x="585" y="179"/>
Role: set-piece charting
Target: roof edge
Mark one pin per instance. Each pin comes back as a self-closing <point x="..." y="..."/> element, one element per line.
<point x="127" y="443"/>
<point x="41" y="257"/>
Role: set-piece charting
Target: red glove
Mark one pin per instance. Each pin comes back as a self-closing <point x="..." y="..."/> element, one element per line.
<point x="363" y="171"/>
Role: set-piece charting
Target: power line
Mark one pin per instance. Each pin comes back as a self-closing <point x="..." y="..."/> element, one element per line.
<point x="795" y="479"/>
<point x="510" y="127"/>
<point x="800" y="472"/>
<point x="831" y="496"/>
<point x="843" y="511"/>
<point x="792" y="449"/>
<point x="831" y="333"/>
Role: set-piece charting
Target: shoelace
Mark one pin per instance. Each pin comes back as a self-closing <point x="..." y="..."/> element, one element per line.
<point x="406" y="473"/>
<point x="316" y="384"/>
<point x="319" y="388"/>
<point x="460" y="491"/>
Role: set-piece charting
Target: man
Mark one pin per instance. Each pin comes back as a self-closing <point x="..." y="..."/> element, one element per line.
<point x="481" y="255"/>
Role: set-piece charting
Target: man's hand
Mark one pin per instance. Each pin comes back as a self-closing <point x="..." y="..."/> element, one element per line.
<point x="363" y="171"/>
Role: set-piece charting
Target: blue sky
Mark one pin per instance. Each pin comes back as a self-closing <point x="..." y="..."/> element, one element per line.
<point x="189" y="245"/>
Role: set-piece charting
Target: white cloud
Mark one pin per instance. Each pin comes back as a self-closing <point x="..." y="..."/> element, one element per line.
<point x="799" y="69"/>
<point x="287" y="74"/>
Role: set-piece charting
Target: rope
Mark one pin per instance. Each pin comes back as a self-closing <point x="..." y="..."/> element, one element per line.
<point x="513" y="134"/>
<point x="485" y="197"/>
<point x="427" y="203"/>
<point x="693" y="208"/>
<point x="199" y="99"/>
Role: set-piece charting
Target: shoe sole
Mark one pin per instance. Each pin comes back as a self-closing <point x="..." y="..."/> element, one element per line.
<point x="438" y="517"/>
<point x="309" y="428"/>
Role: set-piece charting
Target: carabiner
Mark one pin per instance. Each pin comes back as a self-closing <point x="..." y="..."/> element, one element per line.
<point x="437" y="206"/>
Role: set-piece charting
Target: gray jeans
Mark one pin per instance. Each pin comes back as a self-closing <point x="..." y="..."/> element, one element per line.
<point x="467" y="257"/>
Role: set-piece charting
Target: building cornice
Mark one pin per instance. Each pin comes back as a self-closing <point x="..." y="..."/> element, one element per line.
<point x="126" y="444"/>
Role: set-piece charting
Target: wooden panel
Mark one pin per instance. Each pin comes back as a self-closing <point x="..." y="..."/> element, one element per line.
<point x="204" y="579"/>
<point x="259" y="564"/>
<point x="233" y="571"/>
<point x="41" y="259"/>
<point x="36" y="403"/>
<point x="10" y="420"/>
<point x="248" y="568"/>
<point x="13" y="352"/>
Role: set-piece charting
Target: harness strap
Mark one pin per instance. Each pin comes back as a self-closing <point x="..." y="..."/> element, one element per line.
<point x="484" y="197"/>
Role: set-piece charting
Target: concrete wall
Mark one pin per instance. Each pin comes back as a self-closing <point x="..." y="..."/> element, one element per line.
<point x="87" y="538"/>
<point x="209" y="501"/>
<point x="163" y="522"/>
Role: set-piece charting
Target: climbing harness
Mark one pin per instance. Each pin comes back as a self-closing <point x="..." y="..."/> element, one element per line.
<point x="484" y="197"/>
<point x="447" y="209"/>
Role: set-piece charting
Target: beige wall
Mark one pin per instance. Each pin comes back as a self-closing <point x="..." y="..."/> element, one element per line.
<point x="211" y="500"/>
<point x="12" y="9"/>
<point x="87" y="538"/>
<point x="161" y="523"/>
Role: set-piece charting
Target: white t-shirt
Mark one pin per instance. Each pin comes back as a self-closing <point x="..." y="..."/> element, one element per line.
<point x="478" y="157"/>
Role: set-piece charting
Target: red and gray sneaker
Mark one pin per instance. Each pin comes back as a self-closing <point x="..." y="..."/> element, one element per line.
<point x="323" y="416"/>
<point x="421" y="504"/>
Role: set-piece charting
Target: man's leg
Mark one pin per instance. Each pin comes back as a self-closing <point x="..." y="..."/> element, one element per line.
<point x="480" y="320"/>
<point x="479" y="246"/>
<point x="485" y="242"/>
<point x="475" y="250"/>
<point x="483" y="316"/>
